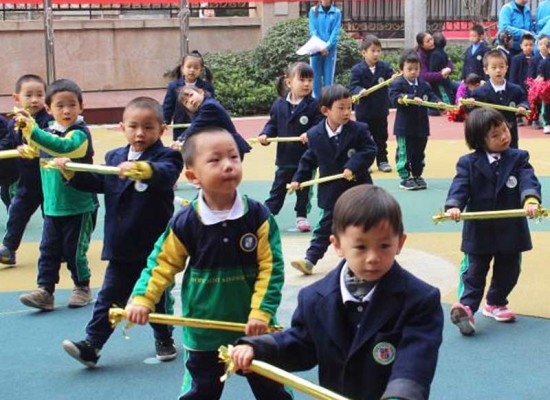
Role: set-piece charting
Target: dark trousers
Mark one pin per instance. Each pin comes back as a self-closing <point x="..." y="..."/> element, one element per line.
<point x="410" y="156"/>
<point x="514" y="142"/>
<point x="321" y="238"/>
<point x="379" y="130"/>
<point x="118" y="283"/>
<point x="68" y="238"/>
<point x="473" y="274"/>
<point x="278" y="193"/>
<point x="201" y="380"/>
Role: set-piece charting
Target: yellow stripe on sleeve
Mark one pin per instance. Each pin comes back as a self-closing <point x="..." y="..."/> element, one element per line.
<point x="265" y="269"/>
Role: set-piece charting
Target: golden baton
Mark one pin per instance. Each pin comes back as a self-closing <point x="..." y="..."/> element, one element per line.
<point x="481" y="215"/>
<point x="275" y="140"/>
<point x="475" y="103"/>
<point x="318" y="181"/>
<point x="410" y="102"/>
<point x="355" y="98"/>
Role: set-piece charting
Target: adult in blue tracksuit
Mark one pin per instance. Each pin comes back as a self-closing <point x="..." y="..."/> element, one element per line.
<point x="543" y="15"/>
<point x="515" y="17"/>
<point x="325" y="21"/>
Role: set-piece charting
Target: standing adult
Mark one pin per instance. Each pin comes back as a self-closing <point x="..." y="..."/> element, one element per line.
<point x="325" y="22"/>
<point x="515" y="17"/>
<point x="543" y="15"/>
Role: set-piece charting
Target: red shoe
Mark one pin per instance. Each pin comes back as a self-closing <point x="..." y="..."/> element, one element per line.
<point x="463" y="318"/>
<point x="302" y="225"/>
<point x="499" y="313"/>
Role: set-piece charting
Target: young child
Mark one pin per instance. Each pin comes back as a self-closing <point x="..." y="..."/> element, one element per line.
<point x="336" y="145"/>
<point x="520" y="62"/>
<point x="229" y="249"/>
<point x="8" y="168"/>
<point x="187" y="73"/>
<point x="69" y="215"/>
<point x="373" y="329"/>
<point x="439" y="60"/>
<point x="505" y="43"/>
<point x="205" y="112"/>
<point x="467" y="87"/>
<point x="412" y="126"/>
<point x="30" y="91"/>
<point x="500" y="91"/>
<point x="533" y="72"/>
<point x="291" y="114"/>
<point x="493" y="177"/>
<point x="473" y="56"/>
<point x="136" y="214"/>
<point x="374" y="108"/>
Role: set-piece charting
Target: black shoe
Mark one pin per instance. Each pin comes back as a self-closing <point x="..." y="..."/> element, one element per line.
<point x="83" y="352"/>
<point x="421" y="183"/>
<point x="166" y="351"/>
<point x="408" y="184"/>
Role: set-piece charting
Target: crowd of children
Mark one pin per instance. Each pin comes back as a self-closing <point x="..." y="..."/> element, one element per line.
<point x="228" y="246"/>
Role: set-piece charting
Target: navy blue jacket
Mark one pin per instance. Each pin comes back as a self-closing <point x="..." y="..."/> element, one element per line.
<point x="211" y="113"/>
<point x="411" y="120"/>
<point x="172" y="109"/>
<point x="136" y="214"/>
<point x="535" y="61"/>
<point x="8" y="167"/>
<point x="286" y="123"/>
<point x="475" y="188"/>
<point x="356" y="151"/>
<point x="544" y="68"/>
<point x="377" y="104"/>
<point x="404" y="318"/>
<point x="520" y="69"/>
<point x="473" y="63"/>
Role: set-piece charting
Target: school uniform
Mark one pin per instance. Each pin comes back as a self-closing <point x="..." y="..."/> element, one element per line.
<point x="136" y="214"/>
<point x="519" y="70"/>
<point x="8" y="168"/>
<point x="289" y="120"/>
<point x="508" y="94"/>
<point x="351" y="147"/>
<point x="483" y="183"/>
<point x="533" y="70"/>
<point x="386" y="347"/>
<point x="374" y="108"/>
<point x="212" y="114"/>
<point x="412" y="126"/>
<point x="172" y="109"/>
<point x="473" y="60"/>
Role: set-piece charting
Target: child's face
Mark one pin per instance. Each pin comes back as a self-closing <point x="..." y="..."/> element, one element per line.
<point x="326" y="3"/>
<point x="339" y="113"/>
<point x="217" y="167"/>
<point x="472" y="86"/>
<point x="543" y="46"/>
<point x="141" y="127"/>
<point x="496" y="69"/>
<point x="370" y="254"/>
<point x="498" y="139"/>
<point x="300" y="86"/>
<point x="191" y="68"/>
<point x="372" y="54"/>
<point x="64" y="108"/>
<point x="411" y="71"/>
<point x="527" y="47"/>
<point x="192" y="99"/>
<point x="31" y="97"/>
<point x="474" y="37"/>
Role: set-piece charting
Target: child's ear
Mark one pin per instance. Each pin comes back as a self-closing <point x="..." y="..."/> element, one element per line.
<point x="336" y="243"/>
<point x="191" y="176"/>
<point x="48" y="109"/>
<point x="324" y="110"/>
<point x="122" y="127"/>
<point x="401" y="242"/>
<point x="163" y="128"/>
<point x="16" y="98"/>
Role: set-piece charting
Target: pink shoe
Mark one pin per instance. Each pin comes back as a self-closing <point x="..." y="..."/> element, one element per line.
<point x="499" y="313"/>
<point x="302" y="225"/>
<point x="463" y="318"/>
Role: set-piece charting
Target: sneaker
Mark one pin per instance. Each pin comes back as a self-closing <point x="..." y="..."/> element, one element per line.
<point x="408" y="184"/>
<point x="421" y="183"/>
<point x="463" y="318"/>
<point x="7" y="256"/>
<point x="384" y="167"/>
<point x="536" y="125"/>
<point x="166" y="350"/>
<point x="499" y="313"/>
<point x="304" y="266"/>
<point x="81" y="296"/>
<point x="546" y="129"/>
<point x="39" y="298"/>
<point x="302" y="225"/>
<point x="82" y="352"/>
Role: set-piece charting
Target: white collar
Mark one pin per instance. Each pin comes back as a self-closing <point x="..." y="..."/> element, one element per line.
<point x="492" y="157"/>
<point x="208" y="217"/>
<point x="56" y="126"/>
<point x="332" y="133"/>
<point x="289" y="99"/>
<point x="134" y="155"/>
<point x="346" y="295"/>
<point x="498" y="88"/>
<point x="412" y="83"/>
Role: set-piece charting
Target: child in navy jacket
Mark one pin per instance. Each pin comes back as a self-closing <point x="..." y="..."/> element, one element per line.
<point x="336" y="145"/>
<point x="520" y="63"/>
<point x="473" y="56"/>
<point x="373" y="329"/>
<point x="291" y="115"/>
<point x="8" y="167"/>
<point x="493" y="177"/>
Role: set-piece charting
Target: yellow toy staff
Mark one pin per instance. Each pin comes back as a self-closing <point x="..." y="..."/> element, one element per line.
<point x="411" y="102"/>
<point x="475" y="103"/>
<point x="519" y="213"/>
<point x="318" y="181"/>
<point x="372" y="89"/>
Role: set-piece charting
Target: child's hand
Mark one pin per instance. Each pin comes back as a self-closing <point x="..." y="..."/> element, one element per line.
<point x="539" y="78"/>
<point x="27" y="152"/>
<point x="363" y="93"/>
<point x="395" y="75"/>
<point x="303" y="137"/>
<point x="255" y="327"/>
<point x="60" y="163"/>
<point x="348" y="174"/>
<point x="294" y="186"/>
<point x="521" y="110"/>
<point x="323" y="52"/>
<point x="531" y="209"/>
<point x="242" y="356"/>
<point x="417" y="100"/>
<point x="441" y="104"/>
<point x="470" y="101"/>
<point x="454" y="213"/>
<point x="262" y="139"/>
<point x="177" y="145"/>
<point x="125" y="167"/>
<point x="137" y="314"/>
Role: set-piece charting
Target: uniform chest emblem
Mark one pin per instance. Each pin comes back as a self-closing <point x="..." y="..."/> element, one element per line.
<point x="512" y="104"/>
<point x="384" y="353"/>
<point x="512" y="182"/>
<point x="351" y="152"/>
<point x="425" y="97"/>
<point x="248" y="242"/>
<point x="140" y="186"/>
<point x="381" y="79"/>
<point x="479" y="57"/>
<point x="304" y="119"/>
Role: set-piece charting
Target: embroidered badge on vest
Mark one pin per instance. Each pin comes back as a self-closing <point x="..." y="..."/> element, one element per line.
<point x="304" y="119"/>
<point x="425" y="97"/>
<point x="479" y="57"/>
<point x="512" y="182"/>
<point x="381" y="79"/>
<point x="248" y="242"/>
<point x="384" y="353"/>
<point x="512" y="104"/>
<point x="351" y="152"/>
<point x="140" y="186"/>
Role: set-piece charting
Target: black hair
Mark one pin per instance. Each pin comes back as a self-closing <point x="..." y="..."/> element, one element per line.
<point x="420" y="38"/>
<point x="478" y="124"/>
<point x="189" y="150"/>
<point x="147" y="103"/>
<point x="439" y="40"/>
<point x="63" y="85"/>
<point x="495" y="53"/>
<point x="527" y="36"/>
<point x="175" y="73"/>
<point x="408" y="56"/>
<point x="333" y="93"/>
<point x="316" y="8"/>
<point x="479" y="29"/>
<point x="370" y="40"/>
<point x="472" y="79"/>
<point x="506" y="39"/>
<point x="366" y="206"/>
<point x="299" y="69"/>
<point x="28" y="78"/>
<point x="194" y="88"/>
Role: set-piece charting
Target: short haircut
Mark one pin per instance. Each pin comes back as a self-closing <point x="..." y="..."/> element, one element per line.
<point x="495" y="53"/>
<point x="439" y="40"/>
<point x="527" y="36"/>
<point x="472" y="79"/>
<point x="366" y="206"/>
<point x="478" y="124"/>
<point x="480" y="30"/>
<point x="147" y="103"/>
<point x="28" y="78"/>
<point x="370" y="40"/>
<point x="63" y="85"/>
<point x="408" y="56"/>
<point x="189" y="151"/>
<point x="333" y="93"/>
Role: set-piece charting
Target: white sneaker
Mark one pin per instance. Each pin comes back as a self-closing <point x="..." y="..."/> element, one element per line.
<point x="546" y="129"/>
